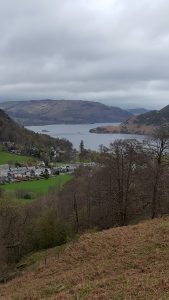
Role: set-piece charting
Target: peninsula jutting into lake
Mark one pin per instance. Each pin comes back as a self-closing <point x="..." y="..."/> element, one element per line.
<point x="143" y="124"/>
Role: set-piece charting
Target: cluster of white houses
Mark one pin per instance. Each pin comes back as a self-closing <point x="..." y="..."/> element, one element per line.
<point x="10" y="174"/>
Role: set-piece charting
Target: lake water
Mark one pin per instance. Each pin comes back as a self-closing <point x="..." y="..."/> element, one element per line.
<point x="76" y="133"/>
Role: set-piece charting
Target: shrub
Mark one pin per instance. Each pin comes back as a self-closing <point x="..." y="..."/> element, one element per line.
<point x="24" y="194"/>
<point x="47" y="231"/>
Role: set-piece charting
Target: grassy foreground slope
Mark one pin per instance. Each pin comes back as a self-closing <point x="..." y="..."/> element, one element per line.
<point x="122" y="263"/>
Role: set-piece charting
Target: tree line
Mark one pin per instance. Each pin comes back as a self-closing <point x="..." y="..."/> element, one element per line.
<point x="129" y="183"/>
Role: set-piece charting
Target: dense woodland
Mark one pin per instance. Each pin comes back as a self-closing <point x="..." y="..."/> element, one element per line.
<point x="129" y="184"/>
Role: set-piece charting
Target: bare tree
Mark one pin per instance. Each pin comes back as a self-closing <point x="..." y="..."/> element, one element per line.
<point x="158" y="147"/>
<point x="126" y="155"/>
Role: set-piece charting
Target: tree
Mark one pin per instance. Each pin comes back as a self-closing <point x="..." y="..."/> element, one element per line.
<point x="81" y="149"/>
<point x="125" y="156"/>
<point x="158" y="147"/>
<point x="46" y="174"/>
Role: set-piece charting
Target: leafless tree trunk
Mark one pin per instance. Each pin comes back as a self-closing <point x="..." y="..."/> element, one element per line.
<point x="76" y="211"/>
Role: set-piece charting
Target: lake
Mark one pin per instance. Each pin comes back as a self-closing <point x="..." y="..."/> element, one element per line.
<point x="77" y="132"/>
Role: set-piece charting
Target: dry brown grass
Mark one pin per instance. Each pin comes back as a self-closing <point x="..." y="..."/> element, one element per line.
<point x="129" y="128"/>
<point x="122" y="263"/>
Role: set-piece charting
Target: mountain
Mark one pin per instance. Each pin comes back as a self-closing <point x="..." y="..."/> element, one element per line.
<point x="155" y="117"/>
<point x="137" y="111"/>
<point x="10" y="131"/>
<point x="128" y="262"/>
<point x="43" y="112"/>
<point x="141" y="124"/>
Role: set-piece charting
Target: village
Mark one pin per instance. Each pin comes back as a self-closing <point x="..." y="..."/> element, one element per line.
<point x="11" y="174"/>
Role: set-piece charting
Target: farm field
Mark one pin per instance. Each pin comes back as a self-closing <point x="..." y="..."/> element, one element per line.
<point x="6" y="157"/>
<point x="37" y="187"/>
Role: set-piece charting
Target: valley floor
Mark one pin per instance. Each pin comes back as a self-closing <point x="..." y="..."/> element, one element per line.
<point x="121" y="263"/>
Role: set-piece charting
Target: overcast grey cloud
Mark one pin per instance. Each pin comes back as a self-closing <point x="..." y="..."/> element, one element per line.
<point x="112" y="51"/>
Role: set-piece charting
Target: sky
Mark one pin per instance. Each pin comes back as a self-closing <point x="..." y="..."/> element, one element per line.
<point x="112" y="51"/>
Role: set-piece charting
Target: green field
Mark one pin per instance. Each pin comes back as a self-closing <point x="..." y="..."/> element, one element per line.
<point x="38" y="186"/>
<point x="6" y="158"/>
<point x="27" y="191"/>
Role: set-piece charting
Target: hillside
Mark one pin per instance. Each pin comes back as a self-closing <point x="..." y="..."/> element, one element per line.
<point x="43" y="112"/>
<point x="13" y="132"/>
<point x="137" y="111"/>
<point x="129" y="127"/>
<point x="121" y="263"/>
<point x="6" y="157"/>
<point x="141" y="124"/>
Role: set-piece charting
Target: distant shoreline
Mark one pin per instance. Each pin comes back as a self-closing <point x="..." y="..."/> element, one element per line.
<point x="124" y="129"/>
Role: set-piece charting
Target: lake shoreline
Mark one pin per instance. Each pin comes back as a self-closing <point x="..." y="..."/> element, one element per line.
<point x="128" y="128"/>
<point x="77" y="132"/>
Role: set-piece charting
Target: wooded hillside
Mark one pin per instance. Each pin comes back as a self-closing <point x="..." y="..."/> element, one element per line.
<point x="10" y="131"/>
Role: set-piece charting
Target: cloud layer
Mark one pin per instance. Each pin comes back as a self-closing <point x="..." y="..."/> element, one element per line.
<point x="113" y="51"/>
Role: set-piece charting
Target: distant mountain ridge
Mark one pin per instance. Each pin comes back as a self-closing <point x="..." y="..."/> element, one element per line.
<point x="137" y="111"/>
<point x="154" y="117"/>
<point x="45" y="112"/>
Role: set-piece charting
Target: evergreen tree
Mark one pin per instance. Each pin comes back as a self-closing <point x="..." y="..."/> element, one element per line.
<point x="81" y="147"/>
